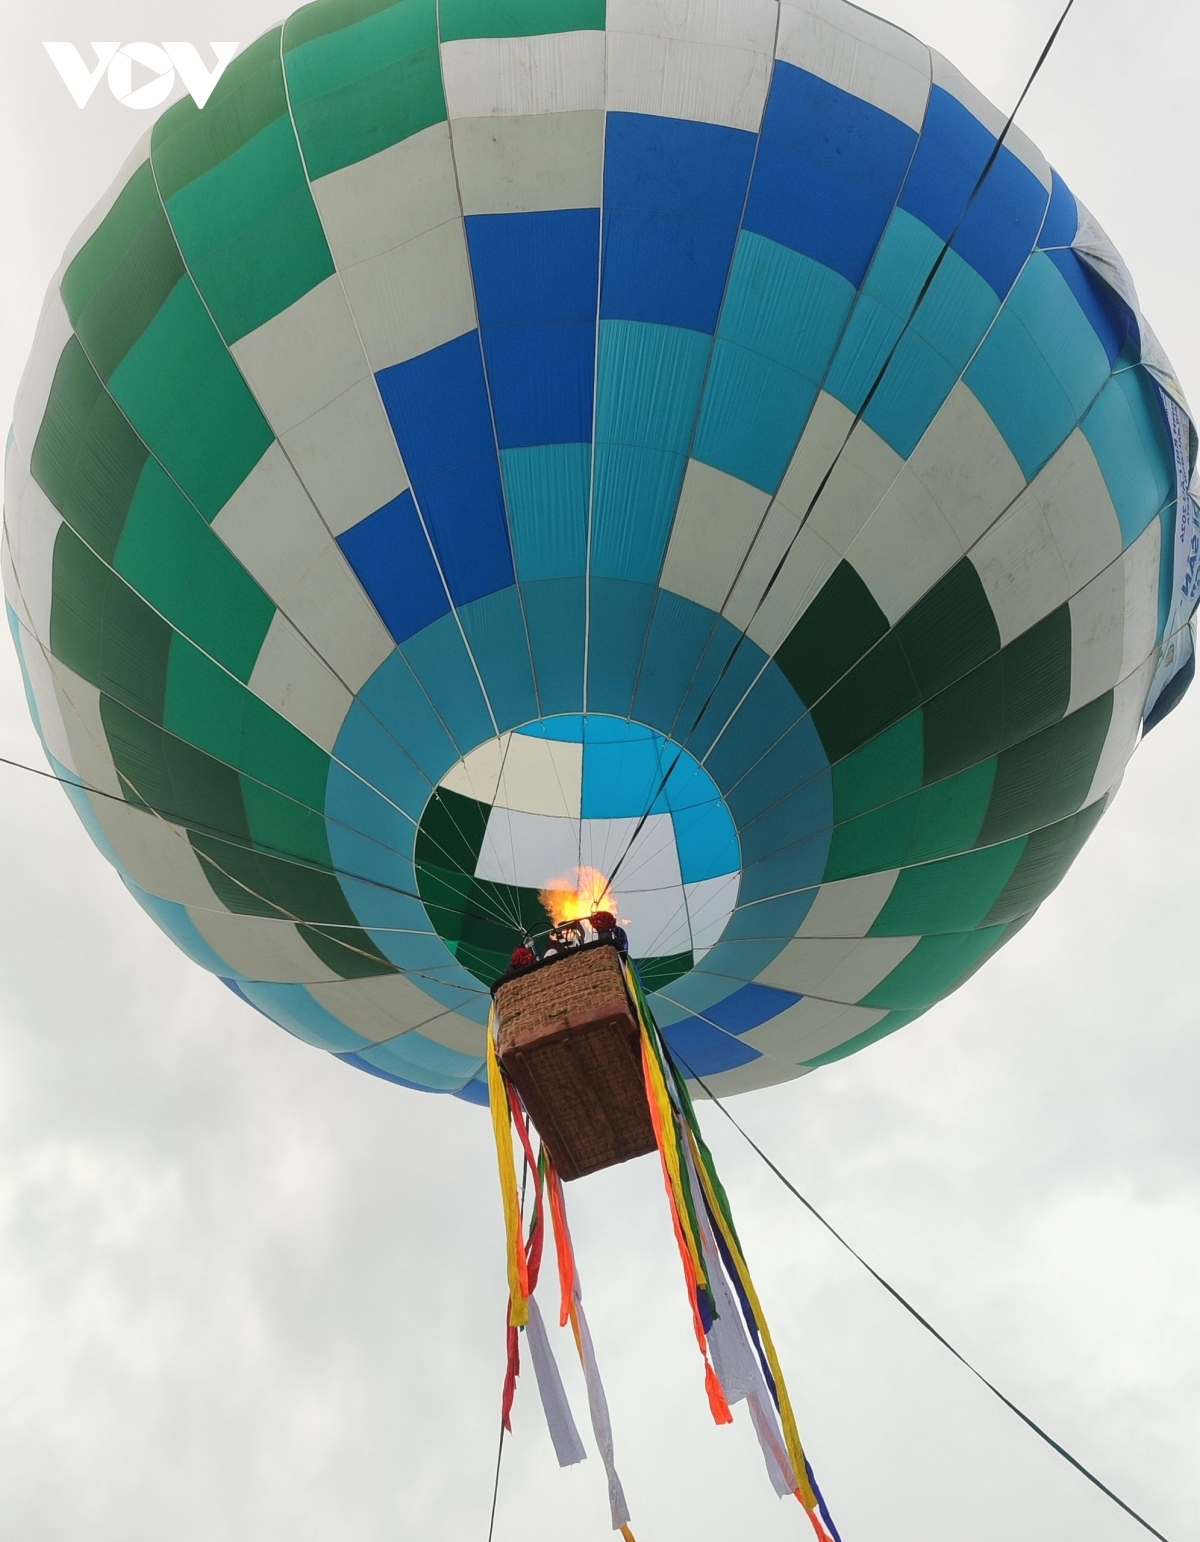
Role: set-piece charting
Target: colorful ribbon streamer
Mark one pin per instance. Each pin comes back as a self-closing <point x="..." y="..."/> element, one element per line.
<point x="717" y="1275"/>
<point x="524" y="1265"/>
<point x="740" y="1360"/>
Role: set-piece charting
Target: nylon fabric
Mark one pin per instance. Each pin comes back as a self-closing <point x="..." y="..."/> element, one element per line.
<point x="711" y="391"/>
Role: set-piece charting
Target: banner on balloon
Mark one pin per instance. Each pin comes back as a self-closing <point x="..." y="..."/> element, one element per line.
<point x="1177" y="660"/>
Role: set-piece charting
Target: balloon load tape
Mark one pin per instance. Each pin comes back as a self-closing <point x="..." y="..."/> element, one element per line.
<point x="576" y="1062"/>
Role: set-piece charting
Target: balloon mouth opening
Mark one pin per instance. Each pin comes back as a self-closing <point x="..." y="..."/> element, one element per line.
<point x="568" y="820"/>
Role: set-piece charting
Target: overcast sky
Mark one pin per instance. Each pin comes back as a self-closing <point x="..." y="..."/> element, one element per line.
<point x="248" y="1293"/>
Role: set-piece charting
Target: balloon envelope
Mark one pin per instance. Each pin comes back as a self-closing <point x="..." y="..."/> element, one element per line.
<point x="493" y="441"/>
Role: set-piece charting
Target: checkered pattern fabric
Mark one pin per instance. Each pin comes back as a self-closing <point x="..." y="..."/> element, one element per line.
<point x="411" y="435"/>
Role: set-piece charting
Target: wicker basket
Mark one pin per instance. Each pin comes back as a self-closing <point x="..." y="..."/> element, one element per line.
<point x="568" y="1041"/>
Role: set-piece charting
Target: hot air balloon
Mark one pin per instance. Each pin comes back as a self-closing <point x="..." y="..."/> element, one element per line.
<point x="499" y="461"/>
<point x="410" y="438"/>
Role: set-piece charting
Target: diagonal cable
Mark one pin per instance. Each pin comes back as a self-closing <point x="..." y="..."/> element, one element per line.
<point x="902" y="1301"/>
<point x="230" y="837"/>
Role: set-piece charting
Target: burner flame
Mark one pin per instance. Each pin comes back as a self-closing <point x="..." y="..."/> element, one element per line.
<point x="578" y="897"/>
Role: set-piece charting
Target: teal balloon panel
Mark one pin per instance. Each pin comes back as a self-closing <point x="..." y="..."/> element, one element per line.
<point x="490" y="439"/>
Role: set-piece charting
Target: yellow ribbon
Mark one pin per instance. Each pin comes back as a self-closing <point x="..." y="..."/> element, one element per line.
<point x="671" y="1155"/>
<point x="518" y="1311"/>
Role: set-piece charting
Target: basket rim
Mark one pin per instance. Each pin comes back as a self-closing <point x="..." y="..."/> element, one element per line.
<point x="548" y="963"/>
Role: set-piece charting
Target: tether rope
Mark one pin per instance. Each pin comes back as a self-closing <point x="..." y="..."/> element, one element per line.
<point x="496" y="1482"/>
<point x="902" y="1301"/>
<point x="500" y="1447"/>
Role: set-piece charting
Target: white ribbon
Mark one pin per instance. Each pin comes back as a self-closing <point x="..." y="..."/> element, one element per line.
<point x="733" y="1357"/>
<point x="601" y="1424"/>
<point x="565" y="1436"/>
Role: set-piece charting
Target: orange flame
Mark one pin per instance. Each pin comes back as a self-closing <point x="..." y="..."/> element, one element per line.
<point x="575" y="899"/>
